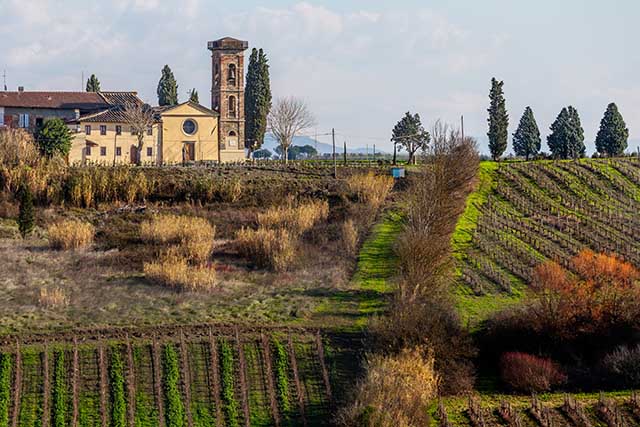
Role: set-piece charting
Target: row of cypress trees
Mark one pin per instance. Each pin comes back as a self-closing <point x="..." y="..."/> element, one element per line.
<point x="566" y="140"/>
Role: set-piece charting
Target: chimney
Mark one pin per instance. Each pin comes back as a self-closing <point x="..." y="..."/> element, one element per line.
<point x="20" y="88"/>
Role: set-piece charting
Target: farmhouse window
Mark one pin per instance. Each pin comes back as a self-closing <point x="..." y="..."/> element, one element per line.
<point x="23" y="121"/>
<point x="103" y="151"/>
<point x="118" y="130"/>
<point x="118" y="151"/>
<point x="149" y="151"/>
<point x="150" y="130"/>
<point x="103" y="129"/>
<point x="87" y="129"/>
<point x="87" y="150"/>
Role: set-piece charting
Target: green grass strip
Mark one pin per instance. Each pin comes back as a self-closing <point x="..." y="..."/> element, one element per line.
<point x="59" y="390"/>
<point x="175" y="408"/>
<point x="116" y="383"/>
<point x="5" y="388"/>
<point x="281" y="363"/>
<point x="229" y="403"/>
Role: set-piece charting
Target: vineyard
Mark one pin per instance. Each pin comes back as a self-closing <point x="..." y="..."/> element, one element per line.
<point x="554" y="410"/>
<point x="196" y="376"/>
<point x="527" y="212"/>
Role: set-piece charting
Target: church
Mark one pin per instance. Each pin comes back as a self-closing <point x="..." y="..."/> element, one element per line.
<point x="180" y="134"/>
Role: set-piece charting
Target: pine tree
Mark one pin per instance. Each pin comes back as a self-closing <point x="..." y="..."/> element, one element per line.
<point x="193" y="96"/>
<point x="26" y="216"/>
<point x="54" y="138"/>
<point x="410" y="135"/>
<point x="93" y="84"/>
<point x="613" y="134"/>
<point x="257" y="99"/>
<point x="526" y="140"/>
<point x="498" y="120"/>
<point x="167" y="88"/>
<point x="566" y="140"/>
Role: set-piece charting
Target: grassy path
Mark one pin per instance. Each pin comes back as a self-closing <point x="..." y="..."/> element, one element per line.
<point x="377" y="266"/>
<point x="371" y="284"/>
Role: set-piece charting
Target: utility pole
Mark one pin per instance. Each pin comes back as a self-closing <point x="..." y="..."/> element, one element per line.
<point x="335" y="164"/>
<point x="345" y="153"/>
<point x="4" y="78"/>
<point x="374" y="153"/>
<point x="462" y="126"/>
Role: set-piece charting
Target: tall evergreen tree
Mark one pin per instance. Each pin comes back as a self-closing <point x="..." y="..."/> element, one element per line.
<point x="193" y="96"/>
<point x="26" y="215"/>
<point x="498" y="120"/>
<point x="167" y="88"/>
<point x="257" y="97"/>
<point x="54" y="138"/>
<point x="93" y="84"/>
<point x="613" y="134"/>
<point x="566" y="140"/>
<point x="526" y="140"/>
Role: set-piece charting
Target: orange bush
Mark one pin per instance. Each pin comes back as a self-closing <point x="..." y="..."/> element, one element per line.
<point x="602" y="291"/>
<point x="530" y="374"/>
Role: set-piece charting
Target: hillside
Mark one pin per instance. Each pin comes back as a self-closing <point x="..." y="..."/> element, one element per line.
<point x="525" y="213"/>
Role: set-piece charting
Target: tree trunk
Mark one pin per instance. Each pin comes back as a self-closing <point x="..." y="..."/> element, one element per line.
<point x="394" y="153"/>
<point x="286" y="155"/>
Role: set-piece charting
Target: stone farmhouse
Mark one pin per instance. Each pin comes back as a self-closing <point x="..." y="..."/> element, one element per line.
<point x="182" y="133"/>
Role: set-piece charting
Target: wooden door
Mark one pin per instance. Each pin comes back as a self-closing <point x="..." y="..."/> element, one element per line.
<point x="189" y="152"/>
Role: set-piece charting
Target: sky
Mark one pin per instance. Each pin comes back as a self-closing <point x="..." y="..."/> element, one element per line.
<point x="359" y="65"/>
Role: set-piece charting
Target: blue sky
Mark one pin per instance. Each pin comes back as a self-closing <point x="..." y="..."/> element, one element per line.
<point x="358" y="64"/>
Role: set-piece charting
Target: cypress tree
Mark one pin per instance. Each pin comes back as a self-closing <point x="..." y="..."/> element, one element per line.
<point x="498" y="120"/>
<point x="93" y="84"/>
<point x="566" y="140"/>
<point x="526" y="140"/>
<point x="613" y="133"/>
<point x="26" y="215"/>
<point x="193" y="96"/>
<point x="257" y="99"/>
<point x="167" y="88"/>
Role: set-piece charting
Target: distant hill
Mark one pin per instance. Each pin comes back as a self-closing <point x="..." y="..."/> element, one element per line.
<point x="322" y="147"/>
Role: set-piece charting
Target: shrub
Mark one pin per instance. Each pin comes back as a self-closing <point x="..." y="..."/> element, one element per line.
<point x="274" y="249"/>
<point x="51" y="298"/>
<point x="349" y="234"/>
<point x="395" y="392"/>
<point x="295" y="219"/>
<point x="622" y="367"/>
<point x="229" y="403"/>
<point x="174" y="228"/>
<point x="370" y="188"/>
<point x="530" y="374"/>
<point x="175" y="407"/>
<point x="194" y="236"/>
<point x="5" y="388"/>
<point x="26" y="216"/>
<point x="71" y="234"/>
<point x="54" y="138"/>
<point x="173" y="270"/>
<point x="116" y="384"/>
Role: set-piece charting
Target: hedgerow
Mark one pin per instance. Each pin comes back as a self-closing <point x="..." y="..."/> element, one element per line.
<point x="175" y="407"/>
<point x="229" y="403"/>
<point x="282" y="377"/>
<point x="116" y="382"/>
<point x="59" y="390"/>
<point x="5" y="388"/>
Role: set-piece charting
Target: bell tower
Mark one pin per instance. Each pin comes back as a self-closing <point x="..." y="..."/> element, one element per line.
<point x="227" y="92"/>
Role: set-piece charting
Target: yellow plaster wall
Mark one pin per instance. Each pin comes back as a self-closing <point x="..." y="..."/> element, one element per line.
<point x="173" y="136"/>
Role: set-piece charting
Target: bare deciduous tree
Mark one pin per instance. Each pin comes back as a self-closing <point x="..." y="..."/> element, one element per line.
<point x="288" y="117"/>
<point x="140" y="117"/>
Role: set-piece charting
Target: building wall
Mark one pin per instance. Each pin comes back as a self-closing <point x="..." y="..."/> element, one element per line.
<point x="11" y="115"/>
<point x="110" y="143"/>
<point x="205" y="138"/>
